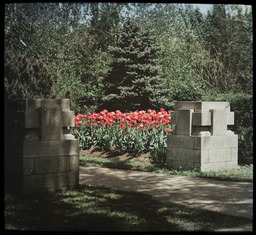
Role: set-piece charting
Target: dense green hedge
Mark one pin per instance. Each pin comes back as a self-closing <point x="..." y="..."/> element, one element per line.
<point x="242" y="105"/>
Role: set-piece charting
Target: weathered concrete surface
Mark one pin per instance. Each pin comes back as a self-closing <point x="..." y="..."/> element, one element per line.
<point x="231" y="198"/>
<point x="41" y="154"/>
<point x="201" y="138"/>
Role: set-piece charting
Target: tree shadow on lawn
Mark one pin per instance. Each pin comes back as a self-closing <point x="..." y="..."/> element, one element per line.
<point x="100" y="209"/>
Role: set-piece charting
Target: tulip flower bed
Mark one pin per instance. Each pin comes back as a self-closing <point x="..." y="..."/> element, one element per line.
<point x="133" y="132"/>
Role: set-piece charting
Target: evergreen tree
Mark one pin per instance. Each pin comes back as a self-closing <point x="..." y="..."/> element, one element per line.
<point x="26" y="77"/>
<point x="134" y="82"/>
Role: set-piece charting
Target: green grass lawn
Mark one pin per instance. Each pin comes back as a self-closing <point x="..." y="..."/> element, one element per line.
<point x="100" y="209"/>
<point x="92" y="209"/>
<point x="242" y="173"/>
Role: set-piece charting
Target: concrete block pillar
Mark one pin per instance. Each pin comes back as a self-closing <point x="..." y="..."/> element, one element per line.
<point x="48" y="159"/>
<point x="184" y="122"/>
<point x="202" y="138"/>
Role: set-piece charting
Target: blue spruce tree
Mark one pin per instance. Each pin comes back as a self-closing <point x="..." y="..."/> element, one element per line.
<point x="134" y="81"/>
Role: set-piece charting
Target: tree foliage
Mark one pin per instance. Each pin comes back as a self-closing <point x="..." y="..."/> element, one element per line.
<point x="198" y="54"/>
<point x="134" y="82"/>
<point x="228" y="38"/>
<point x="26" y="77"/>
<point x="93" y="54"/>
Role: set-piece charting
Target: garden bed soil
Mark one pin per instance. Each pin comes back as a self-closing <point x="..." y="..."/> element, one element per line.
<point x="117" y="154"/>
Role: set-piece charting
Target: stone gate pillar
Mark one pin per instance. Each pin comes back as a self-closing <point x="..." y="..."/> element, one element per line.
<point x="201" y="138"/>
<point x="46" y="156"/>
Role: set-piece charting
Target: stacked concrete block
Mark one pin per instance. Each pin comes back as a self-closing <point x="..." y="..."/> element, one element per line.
<point x="202" y="138"/>
<point x="49" y="155"/>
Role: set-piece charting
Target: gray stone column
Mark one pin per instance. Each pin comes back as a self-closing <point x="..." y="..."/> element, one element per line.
<point x="202" y="138"/>
<point x="49" y="155"/>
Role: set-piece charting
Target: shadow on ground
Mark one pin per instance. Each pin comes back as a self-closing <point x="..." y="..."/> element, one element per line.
<point x="100" y="209"/>
<point x="233" y="198"/>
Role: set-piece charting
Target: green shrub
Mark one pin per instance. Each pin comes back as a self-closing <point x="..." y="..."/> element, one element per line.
<point x="26" y="77"/>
